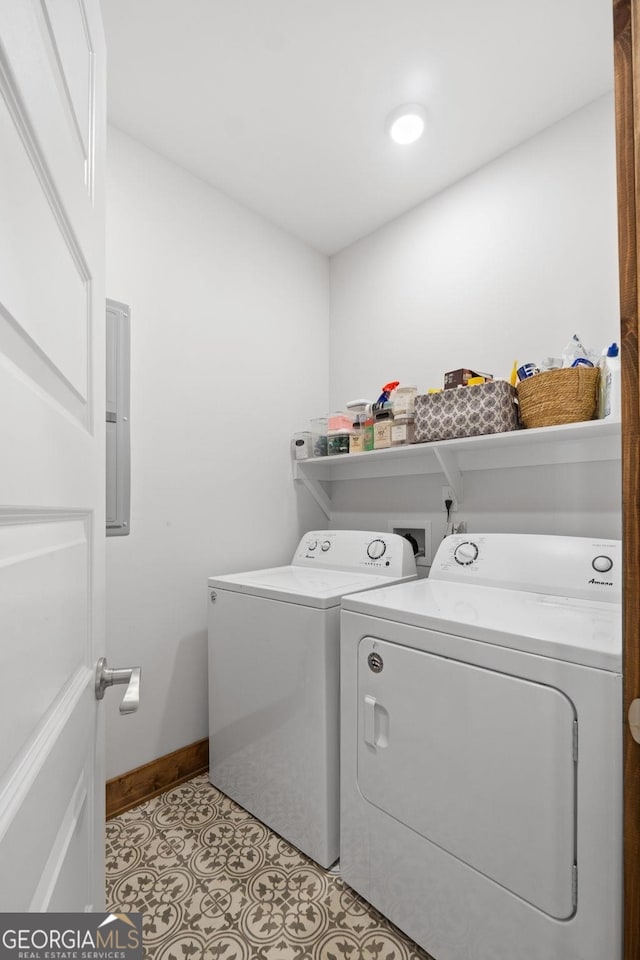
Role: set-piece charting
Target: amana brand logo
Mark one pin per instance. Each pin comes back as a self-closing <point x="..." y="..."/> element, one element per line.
<point x="71" y="936"/>
<point x="601" y="583"/>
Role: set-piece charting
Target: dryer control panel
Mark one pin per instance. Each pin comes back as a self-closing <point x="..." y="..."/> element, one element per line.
<point x="383" y="554"/>
<point x="559" y="566"/>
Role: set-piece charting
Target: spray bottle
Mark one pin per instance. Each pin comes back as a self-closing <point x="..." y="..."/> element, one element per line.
<point x="387" y="390"/>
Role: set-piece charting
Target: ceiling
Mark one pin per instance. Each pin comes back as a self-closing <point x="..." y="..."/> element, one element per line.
<point x="281" y="104"/>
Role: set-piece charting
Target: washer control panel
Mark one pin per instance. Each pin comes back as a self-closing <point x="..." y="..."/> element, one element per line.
<point x="383" y="554"/>
<point x="559" y="566"/>
<point x="466" y="552"/>
<point x="602" y="564"/>
<point x="313" y="543"/>
<point x="376" y="549"/>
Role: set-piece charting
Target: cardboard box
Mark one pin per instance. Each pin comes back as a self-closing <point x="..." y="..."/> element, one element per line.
<point x="459" y="378"/>
<point x="486" y="408"/>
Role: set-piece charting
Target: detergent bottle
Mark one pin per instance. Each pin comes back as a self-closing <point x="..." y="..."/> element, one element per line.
<point x="609" y="389"/>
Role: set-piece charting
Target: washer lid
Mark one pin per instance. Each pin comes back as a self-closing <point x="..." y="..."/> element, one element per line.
<point x="588" y="632"/>
<point x="293" y="584"/>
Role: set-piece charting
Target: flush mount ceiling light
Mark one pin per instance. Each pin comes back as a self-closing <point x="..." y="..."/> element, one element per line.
<point x="405" y="124"/>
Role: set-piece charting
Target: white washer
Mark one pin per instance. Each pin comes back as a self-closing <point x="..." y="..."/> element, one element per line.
<point x="274" y="663"/>
<point x="481" y="746"/>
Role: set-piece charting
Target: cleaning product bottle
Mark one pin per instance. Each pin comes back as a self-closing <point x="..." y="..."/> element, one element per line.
<point x="609" y="391"/>
<point x="387" y="390"/>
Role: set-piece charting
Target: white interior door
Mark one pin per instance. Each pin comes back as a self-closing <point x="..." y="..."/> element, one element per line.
<point x="52" y="300"/>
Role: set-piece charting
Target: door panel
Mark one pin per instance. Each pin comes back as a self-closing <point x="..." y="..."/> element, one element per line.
<point x="51" y="312"/>
<point x="478" y="762"/>
<point x="41" y="796"/>
<point x="70" y="38"/>
<point x="54" y="558"/>
<point x="52" y="135"/>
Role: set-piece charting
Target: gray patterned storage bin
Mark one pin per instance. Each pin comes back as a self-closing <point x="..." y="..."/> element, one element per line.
<point x="466" y="412"/>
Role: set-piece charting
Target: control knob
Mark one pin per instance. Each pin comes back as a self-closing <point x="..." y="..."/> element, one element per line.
<point x="312" y="544"/>
<point x="324" y="546"/>
<point x="602" y="564"/>
<point x="376" y="549"/>
<point x="465" y="553"/>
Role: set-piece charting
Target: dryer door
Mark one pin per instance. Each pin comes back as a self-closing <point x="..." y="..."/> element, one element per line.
<point x="478" y="762"/>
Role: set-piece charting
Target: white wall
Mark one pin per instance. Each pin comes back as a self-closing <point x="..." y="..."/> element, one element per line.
<point x="229" y="356"/>
<point x="573" y="500"/>
<point x="506" y="264"/>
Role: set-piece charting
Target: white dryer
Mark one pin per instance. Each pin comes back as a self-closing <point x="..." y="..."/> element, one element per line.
<point x="481" y="750"/>
<point x="274" y="664"/>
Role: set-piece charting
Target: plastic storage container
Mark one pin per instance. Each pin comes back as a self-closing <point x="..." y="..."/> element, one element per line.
<point x="340" y="421"/>
<point x="362" y="433"/>
<point x="338" y="441"/>
<point x="319" y="428"/>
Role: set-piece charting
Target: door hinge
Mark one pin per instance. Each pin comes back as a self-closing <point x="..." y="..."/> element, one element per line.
<point x="574" y="885"/>
<point x="575" y="741"/>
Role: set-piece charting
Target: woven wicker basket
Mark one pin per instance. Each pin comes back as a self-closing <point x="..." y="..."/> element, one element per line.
<point x="559" y="396"/>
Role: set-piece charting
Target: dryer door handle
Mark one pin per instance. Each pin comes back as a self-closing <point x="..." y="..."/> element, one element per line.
<point x="370" y="720"/>
<point x="376" y="723"/>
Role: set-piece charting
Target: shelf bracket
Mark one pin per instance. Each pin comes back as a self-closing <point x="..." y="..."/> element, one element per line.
<point x="449" y="466"/>
<point x="315" y="489"/>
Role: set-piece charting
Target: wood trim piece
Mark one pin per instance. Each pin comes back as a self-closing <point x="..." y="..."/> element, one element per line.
<point x="151" y="779"/>
<point x="627" y="89"/>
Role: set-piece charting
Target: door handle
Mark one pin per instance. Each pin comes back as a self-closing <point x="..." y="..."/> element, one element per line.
<point x="370" y="720"/>
<point x="105" y="677"/>
<point x="376" y="723"/>
<point x="634" y="720"/>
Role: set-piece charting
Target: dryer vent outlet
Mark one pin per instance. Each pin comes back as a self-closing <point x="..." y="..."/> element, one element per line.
<point x="420" y="540"/>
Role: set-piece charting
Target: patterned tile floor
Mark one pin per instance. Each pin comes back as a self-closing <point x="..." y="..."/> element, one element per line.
<point x="212" y="882"/>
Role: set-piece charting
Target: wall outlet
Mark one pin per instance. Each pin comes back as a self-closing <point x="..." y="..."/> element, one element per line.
<point x="448" y="494"/>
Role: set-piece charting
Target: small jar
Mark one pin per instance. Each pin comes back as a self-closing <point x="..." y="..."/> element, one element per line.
<point x="338" y="442"/>
<point x="356" y="440"/>
<point x="301" y="448"/>
<point x="382" y="430"/>
<point x="402" y="431"/>
<point x="366" y="427"/>
<point x="404" y="400"/>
